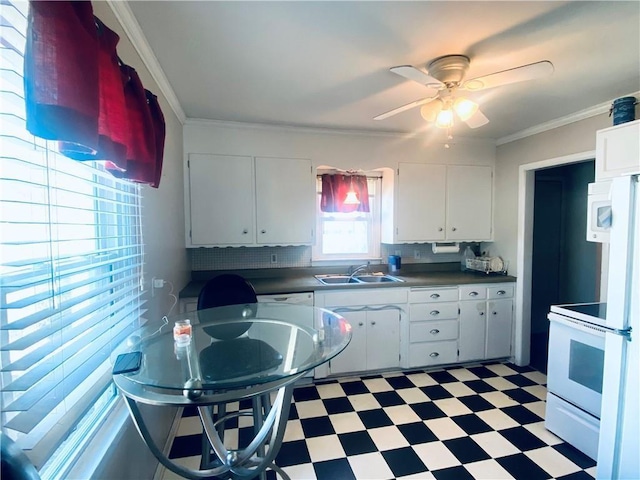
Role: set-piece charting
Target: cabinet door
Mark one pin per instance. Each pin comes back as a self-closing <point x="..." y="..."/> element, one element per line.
<point x="420" y="205"/>
<point x="618" y="150"/>
<point x="499" y="321"/>
<point x="354" y="357"/>
<point x="383" y="339"/>
<point x="221" y="200"/>
<point x="469" y="202"/>
<point x="284" y="201"/>
<point x="471" y="340"/>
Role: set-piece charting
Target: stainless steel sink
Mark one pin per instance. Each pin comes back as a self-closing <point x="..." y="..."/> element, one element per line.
<point x="336" y="279"/>
<point x="378" y="278"/>
<point x="358" y="279"/>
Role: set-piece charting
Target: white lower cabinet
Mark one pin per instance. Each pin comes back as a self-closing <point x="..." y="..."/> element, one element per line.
<point x="433" y="326"/>
<point x="486" y="318"/>
<point x="375" y="317"/>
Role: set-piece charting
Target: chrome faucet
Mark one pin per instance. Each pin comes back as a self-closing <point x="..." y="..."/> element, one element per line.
<point x="353" y="269"/>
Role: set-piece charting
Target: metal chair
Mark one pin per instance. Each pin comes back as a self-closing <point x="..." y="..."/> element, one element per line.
<point x="220" y="291"/>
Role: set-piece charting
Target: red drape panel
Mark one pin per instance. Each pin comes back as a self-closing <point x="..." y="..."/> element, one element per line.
<point x="61" y="72"/>
<point x="334" y="192"/>
<point x="112" y="120"/>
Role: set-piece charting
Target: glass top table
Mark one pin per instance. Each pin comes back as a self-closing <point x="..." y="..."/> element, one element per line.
<point x="223" y="355"/>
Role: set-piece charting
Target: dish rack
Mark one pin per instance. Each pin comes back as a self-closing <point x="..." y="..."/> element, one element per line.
<point x="483" y="264"/>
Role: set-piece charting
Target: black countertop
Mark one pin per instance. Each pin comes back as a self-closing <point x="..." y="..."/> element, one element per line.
<point x="297" y="280"/>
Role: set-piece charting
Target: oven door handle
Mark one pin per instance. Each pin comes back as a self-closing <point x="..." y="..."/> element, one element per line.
<point x="587" y="327"/>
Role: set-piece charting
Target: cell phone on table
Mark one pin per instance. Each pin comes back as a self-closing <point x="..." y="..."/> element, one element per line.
<point x="127" y="363"/>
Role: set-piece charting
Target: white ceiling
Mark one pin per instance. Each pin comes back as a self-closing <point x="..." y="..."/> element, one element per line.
<point x="326" y="64"/>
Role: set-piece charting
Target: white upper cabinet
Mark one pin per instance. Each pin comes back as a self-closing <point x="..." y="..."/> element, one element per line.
<point x="618" y="150"/>
<point x="431" y="203"/>
<point x="246" y="201"/>
<point x="285" y="204"/>
<point x="221" y="200"/>
<point x="469" y="193"/>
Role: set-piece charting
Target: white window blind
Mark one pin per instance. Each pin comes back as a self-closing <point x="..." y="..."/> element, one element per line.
<point x="71" y="256"/>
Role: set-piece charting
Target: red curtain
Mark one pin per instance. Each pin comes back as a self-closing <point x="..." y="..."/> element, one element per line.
<point x="334" y="192"/>
<point x="78" y="92"/>
<point x="61" y="73"/>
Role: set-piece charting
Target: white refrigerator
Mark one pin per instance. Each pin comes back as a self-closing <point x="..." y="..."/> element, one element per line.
<point x="619" y="444"/>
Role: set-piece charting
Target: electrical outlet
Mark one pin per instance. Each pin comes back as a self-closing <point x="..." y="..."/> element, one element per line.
<point x="274" y="258"/>
<point x="158" y="283"/>
<point x="416" y="254"/>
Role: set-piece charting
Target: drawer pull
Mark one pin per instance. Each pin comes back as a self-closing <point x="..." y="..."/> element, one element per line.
<point x="434" y="331"/>
<point x="263" y="231"/>
<point x="373" y="323"/>
<point x="440" y="229"/>
<point x="434" y="312"/>
<point x="453" y="229"/>
<point x="494" y="313"/>
<point x="360" y="324"/>
<point x="473" y="294"/>
<point x="434" y="354"/>
<point x="481" y="313"/>
<point x="435" y="295"/>
<point x="245" y="231"/>
<point x="501" y="292"/>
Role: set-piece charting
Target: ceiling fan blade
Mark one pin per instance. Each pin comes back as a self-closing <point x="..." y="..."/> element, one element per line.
<point x="412" y="73"/>
<point x="403" y="108"/>
<point x="513" y="75"/>
<point x="476" y="120"/>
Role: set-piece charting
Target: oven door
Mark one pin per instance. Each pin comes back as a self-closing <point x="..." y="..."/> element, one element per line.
<point x="576" y="362"/>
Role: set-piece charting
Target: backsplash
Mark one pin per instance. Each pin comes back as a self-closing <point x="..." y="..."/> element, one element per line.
<point x="260" y="257"/>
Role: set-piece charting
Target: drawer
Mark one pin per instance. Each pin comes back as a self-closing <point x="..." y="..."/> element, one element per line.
<point x="425" y="295"/>
<point x="433" y="353"/>
<point x="473" y="292"/>
<point x="433" y="331"/>
<point x="500" y="291"/>
<point x="432" y="311"/>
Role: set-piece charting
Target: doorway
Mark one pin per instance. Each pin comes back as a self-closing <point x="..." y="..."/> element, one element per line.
<point x="564" y="265"/>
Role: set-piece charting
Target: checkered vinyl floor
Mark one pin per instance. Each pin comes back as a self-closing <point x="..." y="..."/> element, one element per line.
<point x="484" y="422"/>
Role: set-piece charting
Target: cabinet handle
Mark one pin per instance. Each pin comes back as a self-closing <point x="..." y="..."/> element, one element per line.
<point x="473" y="294"/>
<point x="263" y="231"/>
<point x="373" y="323"/>
<point x="494" y="313"/>
<point x="245" y="231"/>
<point x="481" y="314"/>
<point x="453" y="229"/>
<point x="360" y="324"/>
<point x="435" y="295"/>
<point x="434" y="312"/>
<point x="501" y="292"/>
<point x="440" y="229"/>
<point x="434" y="331"/>
<point x="434" y="354"/>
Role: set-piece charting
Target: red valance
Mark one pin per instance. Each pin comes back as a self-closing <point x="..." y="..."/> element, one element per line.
<point x="79" y="92"/>
<point x="334" y="192"/>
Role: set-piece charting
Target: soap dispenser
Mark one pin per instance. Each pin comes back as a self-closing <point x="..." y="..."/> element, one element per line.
<point x="468" y="254"/>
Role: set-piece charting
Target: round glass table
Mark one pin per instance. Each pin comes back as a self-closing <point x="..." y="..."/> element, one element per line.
<point x="227" y="354"/>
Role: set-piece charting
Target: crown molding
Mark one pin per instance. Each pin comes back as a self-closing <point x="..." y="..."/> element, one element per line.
<point x="561" y="122"/>
<point x="132" y="28"/>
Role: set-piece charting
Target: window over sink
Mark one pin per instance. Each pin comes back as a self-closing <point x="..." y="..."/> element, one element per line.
<point x="349" y="236"/>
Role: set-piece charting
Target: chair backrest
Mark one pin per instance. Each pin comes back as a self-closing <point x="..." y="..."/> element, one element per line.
<point x="223" y="290"/>
<point x="15" y="464"/>
<point x="226" y="289"/>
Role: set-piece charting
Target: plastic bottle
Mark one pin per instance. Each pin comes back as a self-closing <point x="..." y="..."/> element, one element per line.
<point x="468" y="253"/>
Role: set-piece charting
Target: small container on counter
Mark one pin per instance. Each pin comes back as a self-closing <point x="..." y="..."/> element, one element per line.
<point x="182" y="332"/>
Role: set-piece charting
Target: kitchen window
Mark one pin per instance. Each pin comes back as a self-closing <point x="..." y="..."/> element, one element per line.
<point x="349" y="236"/>
<point x="71" y="258"/>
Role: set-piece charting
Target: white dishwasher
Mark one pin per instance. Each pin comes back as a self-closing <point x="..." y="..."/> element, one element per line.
<point x="305" y="298"/>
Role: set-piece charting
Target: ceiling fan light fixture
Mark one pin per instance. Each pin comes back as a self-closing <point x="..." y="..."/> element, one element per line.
<point x="465" y="108"/>
<point x="430" y="111"/>
<point x="445" y="118"/>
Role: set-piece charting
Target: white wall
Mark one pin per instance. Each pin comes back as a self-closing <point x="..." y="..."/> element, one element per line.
<point x="349" y="150"/>
<point x="165" y="257"/>
<point x="570" y="139"/>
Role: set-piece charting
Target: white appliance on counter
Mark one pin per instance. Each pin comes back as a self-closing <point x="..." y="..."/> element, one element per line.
<point x="593" y="377"/>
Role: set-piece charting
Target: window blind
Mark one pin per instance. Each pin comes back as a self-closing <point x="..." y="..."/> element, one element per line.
<point x="71" y="259"/>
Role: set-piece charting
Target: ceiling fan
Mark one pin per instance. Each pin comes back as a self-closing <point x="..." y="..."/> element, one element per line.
<point x="445" y="77"/>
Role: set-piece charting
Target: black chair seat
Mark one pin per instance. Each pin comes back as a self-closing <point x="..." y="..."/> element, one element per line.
<point x="238" y="357"/>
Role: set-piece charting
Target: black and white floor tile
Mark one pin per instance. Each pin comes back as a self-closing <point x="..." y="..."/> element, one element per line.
<point x="484" y="422"/>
